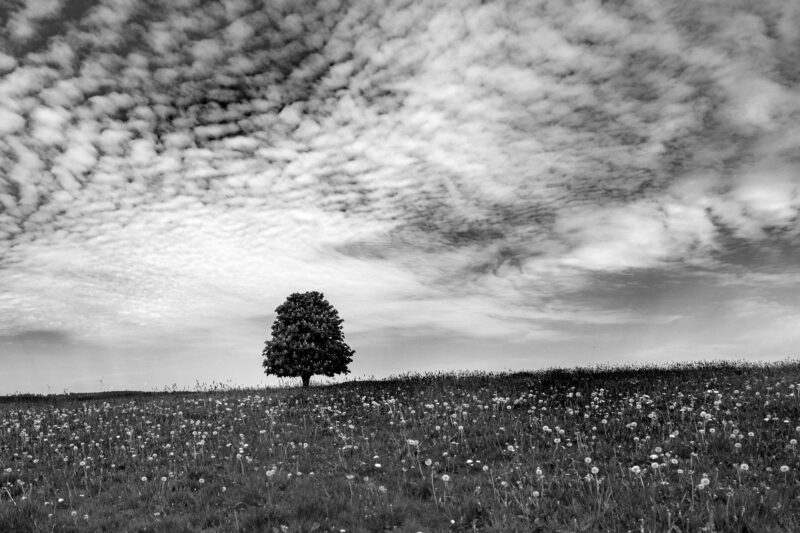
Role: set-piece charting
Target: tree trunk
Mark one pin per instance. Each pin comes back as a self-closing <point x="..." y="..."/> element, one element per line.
<point x="306" y="379"/>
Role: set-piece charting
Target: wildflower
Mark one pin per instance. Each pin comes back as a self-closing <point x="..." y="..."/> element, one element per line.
<point x="705" y="481"/>
<point x="485" y="468"/>
<point x="743" y="467"/>
<point x="535" y="494"/>
<point x="201" y="481"/>
<point x="595" y="470"/>
<point x="377" y="465"/>
<point x="445" y="478"/>
<point x="510" y="448"/>
<point x="784" y="469"/>
<point x="144" y="478"/>
<point x="636" y="470"/>
<point x="588" y="460"/>
<point x="428" y="462"/>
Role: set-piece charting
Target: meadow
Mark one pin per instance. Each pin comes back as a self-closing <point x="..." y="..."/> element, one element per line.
<point x="686" y="448"/>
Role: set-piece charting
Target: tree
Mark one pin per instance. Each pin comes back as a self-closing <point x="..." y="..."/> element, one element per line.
<point x="307" y="339"/>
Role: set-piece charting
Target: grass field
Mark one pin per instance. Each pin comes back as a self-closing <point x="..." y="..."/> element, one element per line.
<point x="710" y="447"/>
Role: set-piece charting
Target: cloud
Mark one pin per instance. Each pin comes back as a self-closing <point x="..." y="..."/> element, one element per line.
<point x="36" y="337"/>
<point x="10" y="122"/>
<point x="477" y="172"/>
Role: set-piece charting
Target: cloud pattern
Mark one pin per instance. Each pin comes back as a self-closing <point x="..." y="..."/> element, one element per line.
<point x="494" y="171"/>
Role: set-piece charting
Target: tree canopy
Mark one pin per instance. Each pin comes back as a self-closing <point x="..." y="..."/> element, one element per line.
<point x="307" y="339"/>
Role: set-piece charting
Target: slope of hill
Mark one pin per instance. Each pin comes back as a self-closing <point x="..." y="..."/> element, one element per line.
<point x="709" y="447"/>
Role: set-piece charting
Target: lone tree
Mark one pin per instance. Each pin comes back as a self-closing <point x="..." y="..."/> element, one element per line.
<point x="307" y="339"/>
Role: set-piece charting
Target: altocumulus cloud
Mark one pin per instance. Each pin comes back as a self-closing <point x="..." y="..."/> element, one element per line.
<point x="535" y="176"/>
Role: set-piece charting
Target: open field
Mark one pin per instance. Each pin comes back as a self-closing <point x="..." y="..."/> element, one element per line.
<point x="712" y="447"/>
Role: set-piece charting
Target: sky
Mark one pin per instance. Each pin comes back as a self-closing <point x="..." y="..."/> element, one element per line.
<point x="509" y="185"/>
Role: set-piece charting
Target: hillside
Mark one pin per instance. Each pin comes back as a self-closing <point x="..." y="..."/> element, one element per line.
<point x="708" y="447"/>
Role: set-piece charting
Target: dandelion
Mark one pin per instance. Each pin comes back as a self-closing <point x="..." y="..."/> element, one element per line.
<point x="705" y="481"/>
<point x="428" y="462"/>
<point x="595" y="470"/>
<point x="445" y="478"/>
<point x="535" y="494"/>
<point x="588" y="460"/>
<point x="510" y="448"/>
<point x="744" y="467"/>
<point x="636" y="470"/>
<point x="377" y="465"/>
<point x="144" y="479"/>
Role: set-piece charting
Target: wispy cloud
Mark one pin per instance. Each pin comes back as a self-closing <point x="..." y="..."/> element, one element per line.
<point x="480" y="171"/>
